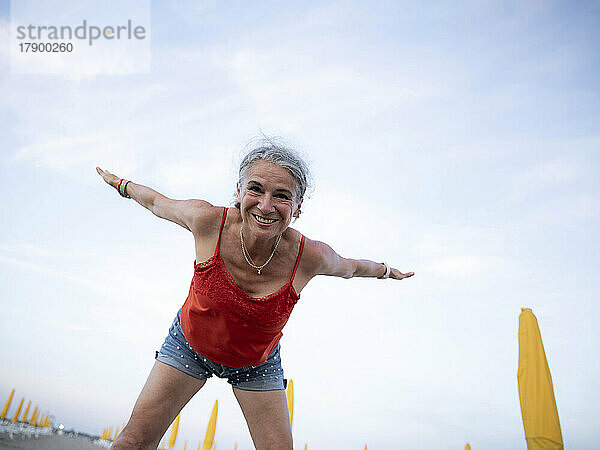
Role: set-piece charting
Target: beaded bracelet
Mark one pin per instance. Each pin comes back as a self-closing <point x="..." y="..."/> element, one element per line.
<point x="122" y="188"/>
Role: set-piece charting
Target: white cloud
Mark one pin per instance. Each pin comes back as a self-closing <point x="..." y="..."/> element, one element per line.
<point x="290" y="88"/>
<point x="191" y="11"/>
<point x="563" y="210"/>
<point x="49" y="271"/>
<point x="4" y="45"/>
<point x="546" y="174"/>
<point x="76" y="156"/>
<point x="467" y="266"/>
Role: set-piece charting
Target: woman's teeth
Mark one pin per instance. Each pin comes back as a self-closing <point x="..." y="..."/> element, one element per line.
<point x="263" y="220"/>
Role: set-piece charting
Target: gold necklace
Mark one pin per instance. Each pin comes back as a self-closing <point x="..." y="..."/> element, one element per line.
<point x="249" y="259"/>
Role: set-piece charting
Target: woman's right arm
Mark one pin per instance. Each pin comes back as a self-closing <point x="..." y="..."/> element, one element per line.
<point x="182" y="212"/>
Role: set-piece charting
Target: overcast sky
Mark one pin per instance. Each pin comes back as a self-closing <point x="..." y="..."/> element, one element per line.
<point x="456" y="140"/>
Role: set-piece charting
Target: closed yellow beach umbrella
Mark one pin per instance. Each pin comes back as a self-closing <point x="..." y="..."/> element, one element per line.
<point x="24" y="418"/>
<point x="210" y="429"/>
<point x="7" y="405"/>
<point x="116" y="432"/>
<point x="289" y="394"/>
<point x="185" y="445"/>
<point x="174" y="429"/>
<point x="467" y="447"/>
<point x="538" y="407"/>
<point x="14" y="419"/>
<point x="33" y="416"/>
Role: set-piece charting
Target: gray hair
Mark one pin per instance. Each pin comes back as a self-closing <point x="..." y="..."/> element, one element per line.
<point x="273" y="150"/>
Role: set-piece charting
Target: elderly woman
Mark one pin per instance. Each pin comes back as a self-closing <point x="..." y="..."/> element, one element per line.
<point x="249" y="271"/>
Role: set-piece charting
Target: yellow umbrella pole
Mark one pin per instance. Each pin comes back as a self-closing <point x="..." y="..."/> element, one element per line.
<point x="34" y="416"/>
<point x="14" y="420"/>
<point x="538" y="407"/>
<point x="7" y="405"/>
<point x="24" y="418"/>
<point x="210" y="429"/>
<point x="289" y="393"/>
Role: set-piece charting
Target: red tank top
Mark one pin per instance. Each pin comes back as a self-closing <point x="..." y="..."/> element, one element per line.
<point x="225" y="324"/>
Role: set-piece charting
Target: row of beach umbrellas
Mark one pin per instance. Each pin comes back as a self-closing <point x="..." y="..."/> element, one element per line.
<point x="37" y="420"/>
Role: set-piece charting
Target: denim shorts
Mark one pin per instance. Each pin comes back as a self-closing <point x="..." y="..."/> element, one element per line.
<point x="177" y="352"/>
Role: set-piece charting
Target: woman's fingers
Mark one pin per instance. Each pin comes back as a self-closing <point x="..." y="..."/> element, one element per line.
<point x="102" y="173"/>
<point x="108" y="177"/>
<point x="397" y="275"/>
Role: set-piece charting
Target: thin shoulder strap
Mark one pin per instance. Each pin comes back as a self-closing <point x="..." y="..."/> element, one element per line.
<point x="298" y="259"/>
<point x="225" y="209"/>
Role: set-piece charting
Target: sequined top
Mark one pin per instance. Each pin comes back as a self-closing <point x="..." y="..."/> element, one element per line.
<point x="225" y="324"/>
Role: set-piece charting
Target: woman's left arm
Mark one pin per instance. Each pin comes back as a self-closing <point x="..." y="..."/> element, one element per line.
<point x="328" y="262"/>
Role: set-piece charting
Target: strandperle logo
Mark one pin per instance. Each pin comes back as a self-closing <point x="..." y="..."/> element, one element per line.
<point x="84" y="32"/>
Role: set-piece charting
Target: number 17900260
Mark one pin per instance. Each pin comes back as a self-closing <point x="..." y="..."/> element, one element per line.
<point x="47" y="47"/>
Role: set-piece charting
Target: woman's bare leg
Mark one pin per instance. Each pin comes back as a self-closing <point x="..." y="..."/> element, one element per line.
<point x="166" y="392"/>
<point x="267" y="417"/>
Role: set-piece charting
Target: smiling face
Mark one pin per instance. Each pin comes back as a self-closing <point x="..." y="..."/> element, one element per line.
<point x="267" y="199"/>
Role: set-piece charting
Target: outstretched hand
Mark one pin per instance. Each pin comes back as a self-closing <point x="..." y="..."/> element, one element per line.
<point x="397" y="275"/>
<point x="110" y="178"/>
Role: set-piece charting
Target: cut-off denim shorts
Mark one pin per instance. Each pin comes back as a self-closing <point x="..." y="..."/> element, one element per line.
<point x="177" y="352"/>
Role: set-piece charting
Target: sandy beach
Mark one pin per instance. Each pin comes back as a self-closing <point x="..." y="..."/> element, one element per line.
<point x="52" y="442"/>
